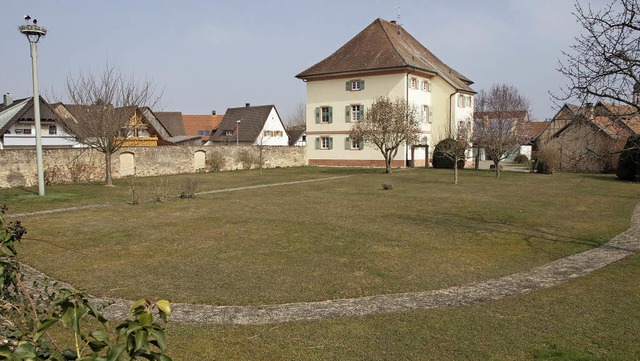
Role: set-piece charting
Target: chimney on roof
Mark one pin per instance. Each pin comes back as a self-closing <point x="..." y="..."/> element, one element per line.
<point x="393" y="22"/>
<point x="247" y="105"/>
<point x="213" y="112"/>
<point x="8" y="99"/>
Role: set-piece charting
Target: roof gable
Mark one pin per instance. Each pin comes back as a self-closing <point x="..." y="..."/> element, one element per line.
<point x="251" y="119"/>
<point x="384" y="45"/>
<point x="172" y="122"/>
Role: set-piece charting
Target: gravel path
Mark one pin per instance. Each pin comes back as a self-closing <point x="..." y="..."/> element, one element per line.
<point x="548" y="275"/>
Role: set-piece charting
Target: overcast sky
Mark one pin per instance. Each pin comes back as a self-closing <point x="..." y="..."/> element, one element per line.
<point x="213" y="55"/>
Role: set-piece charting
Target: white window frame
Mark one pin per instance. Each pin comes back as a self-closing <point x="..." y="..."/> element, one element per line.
<point x="325" y="112"/>
<point x="355" y="144"/>
<point x="228" y="133"/>
<point x="413" y="83"/>
<point x="355" y="85"/>
<point x="325" y="143"/>
<point x="355" y="112"/>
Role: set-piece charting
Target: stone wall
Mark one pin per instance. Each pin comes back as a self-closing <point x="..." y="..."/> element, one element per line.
<point x="18" y="167"/>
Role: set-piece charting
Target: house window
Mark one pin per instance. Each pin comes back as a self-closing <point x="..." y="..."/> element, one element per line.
<point x="427" y="113"/>
<point x="413" y="84"/>
<point x="204" y="132"/>
<point x="228" y="133"/>
<point x="26" y="131"/>
<point x="462" y="130"/>
<point x="53" y="130"/>
<point x="423" y="85"/>
<point x="325" y="116"/>
<point x="353" y="144"/>
<point x="356" y="112"/>
<point x="324" y="143"/>
<point x="18" y="131"/>
<point x="468" y="101"/>
<point x="355" y="85"/>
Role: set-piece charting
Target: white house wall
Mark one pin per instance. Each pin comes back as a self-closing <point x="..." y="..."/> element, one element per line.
<point x="273" y="124"/>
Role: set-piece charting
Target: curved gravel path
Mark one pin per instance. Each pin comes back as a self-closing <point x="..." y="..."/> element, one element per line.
<point x="548" y="275"/>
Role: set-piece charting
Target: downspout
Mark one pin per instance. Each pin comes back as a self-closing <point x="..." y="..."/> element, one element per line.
<point x="406" y="143"/>
<point x="451" y="113"/>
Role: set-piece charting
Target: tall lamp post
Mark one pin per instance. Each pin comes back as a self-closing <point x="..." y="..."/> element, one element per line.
<point x="34" y="33"/>
<point x="238" y="131"/>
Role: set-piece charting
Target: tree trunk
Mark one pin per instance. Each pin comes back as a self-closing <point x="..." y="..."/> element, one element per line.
<point x="387" y="161"/>
<point x="455" y="172"/>
<point x="496" y="165"/>
<point x="107" y="169"/>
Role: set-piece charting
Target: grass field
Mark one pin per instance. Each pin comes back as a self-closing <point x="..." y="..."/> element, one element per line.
<point x="335" y="238"/>
<point x="346" y="237"/>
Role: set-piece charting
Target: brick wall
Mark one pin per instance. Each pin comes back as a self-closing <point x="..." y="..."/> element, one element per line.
<point x="18" y="167"/>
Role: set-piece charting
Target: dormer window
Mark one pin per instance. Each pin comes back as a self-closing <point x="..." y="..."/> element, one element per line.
<point x="228" y="133"/>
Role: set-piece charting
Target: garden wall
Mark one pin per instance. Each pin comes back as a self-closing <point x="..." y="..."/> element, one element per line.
<point x="18" y="167"/>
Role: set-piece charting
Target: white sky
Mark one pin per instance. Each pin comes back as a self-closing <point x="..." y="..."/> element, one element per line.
<point x="213" y="55"/>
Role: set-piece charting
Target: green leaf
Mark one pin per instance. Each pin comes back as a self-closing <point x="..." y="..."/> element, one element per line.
<point x="25" y="350"/>
<point x="164" y="306"/>
<point x="165" y="358"/>
<point x="43" y="326"/>
<point x="142" y="340"/>
<point x="137" y="304"/>
<point x="100" y="336"/>
<point x="161" y="337"/>
<point x="146" y="319"/>
<point x="115" y="352"/>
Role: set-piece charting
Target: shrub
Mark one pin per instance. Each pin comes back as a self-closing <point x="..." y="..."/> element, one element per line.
<point x="247" y="158"/>
<point x="160" y="190"/>
<point x="629" y="163"/>
<point x="216" y="161"/>
<point x="521" y="158"/>
<point x="189" y="187"/>
<point x="446" y="151"/>
<point x="547" y="160"/>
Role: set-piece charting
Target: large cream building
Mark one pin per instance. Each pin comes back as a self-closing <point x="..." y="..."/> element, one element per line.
<point x="382" y="60"/>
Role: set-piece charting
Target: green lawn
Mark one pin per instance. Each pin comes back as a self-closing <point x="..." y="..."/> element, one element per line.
<point x="346" y="238"/>
<point x="313" y="241"/>
<point x="591" y="318"/>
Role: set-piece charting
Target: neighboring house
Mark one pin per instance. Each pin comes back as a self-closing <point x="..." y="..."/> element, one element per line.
<point x="297" y="137"/>
<point x="382" y="60"/>
<point x="201" y="125"/>
<point x="251" y="125"/>
<point x="533" y="130"/>
<point x="592" y="141"/>
<point x="17" y="125"/>
<point x="567" y="113"/>
<point x="172" y="122"/>
<point x="143" y="129"/>
<point x="516" y="117"/>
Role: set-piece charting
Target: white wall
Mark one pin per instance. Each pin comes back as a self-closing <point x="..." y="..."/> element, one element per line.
<point x="273" y="123"/>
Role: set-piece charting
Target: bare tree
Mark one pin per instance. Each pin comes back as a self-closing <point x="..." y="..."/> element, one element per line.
<point x="448" y="153"/>
<point x="388" y="124"/>
<point x="297" y="117"/>
<point x="499" y="122"/>
<point x="604" y="61"/>
<point x="107" y="100"/>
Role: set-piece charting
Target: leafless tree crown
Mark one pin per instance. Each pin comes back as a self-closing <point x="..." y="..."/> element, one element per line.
<point x="603" y="63"/>
<point x="387" y="124"/>
<point x="500" y="121"/>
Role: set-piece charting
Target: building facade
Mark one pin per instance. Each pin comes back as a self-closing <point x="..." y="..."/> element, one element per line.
<point x="382" y="61"/>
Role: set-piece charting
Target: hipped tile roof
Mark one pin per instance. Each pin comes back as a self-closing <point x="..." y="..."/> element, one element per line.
<point x="385" y="45"/>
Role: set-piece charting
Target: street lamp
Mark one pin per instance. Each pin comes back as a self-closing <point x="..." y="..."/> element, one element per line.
<point x="238" y="131"/>
<point x="34" y="33"/>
